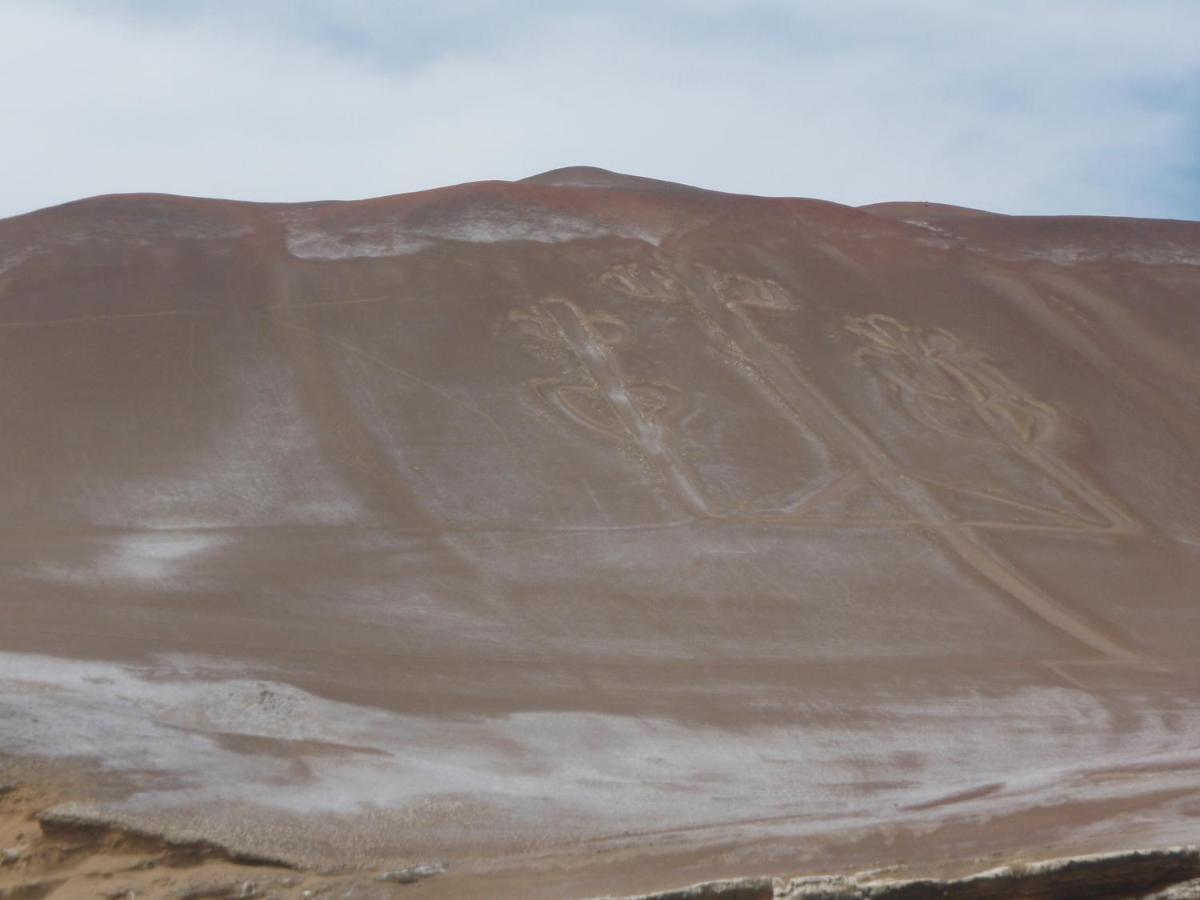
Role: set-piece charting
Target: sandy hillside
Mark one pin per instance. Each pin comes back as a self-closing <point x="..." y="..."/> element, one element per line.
<point x="590" y="535"/>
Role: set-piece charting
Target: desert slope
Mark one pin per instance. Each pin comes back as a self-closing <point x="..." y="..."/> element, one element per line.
<point x="597" y="534"/>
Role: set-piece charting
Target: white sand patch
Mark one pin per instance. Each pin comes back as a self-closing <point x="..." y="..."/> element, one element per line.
<point x="608" y="770"/>
<point x="11" y="259"/>
<point x="394" y="237"/>
<point x="1066" y="254"/>
<point x="151" y="558"/>
<point x="263" y="465"/>
<point x="353" y="243"/>
<point x="942" y="239"/>
<point x="1073" y="254"/>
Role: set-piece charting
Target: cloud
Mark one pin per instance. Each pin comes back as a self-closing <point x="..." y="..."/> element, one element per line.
<point x="1079" y="107"/>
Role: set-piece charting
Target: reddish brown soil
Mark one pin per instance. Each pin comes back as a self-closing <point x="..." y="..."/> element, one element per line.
<point x="597" y="534"/>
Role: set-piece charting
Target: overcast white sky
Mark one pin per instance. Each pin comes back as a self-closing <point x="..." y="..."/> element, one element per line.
<point x="1055" y="106"/>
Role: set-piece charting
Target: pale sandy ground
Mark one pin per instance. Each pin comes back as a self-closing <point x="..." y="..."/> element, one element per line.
<point x="73" y="863"/>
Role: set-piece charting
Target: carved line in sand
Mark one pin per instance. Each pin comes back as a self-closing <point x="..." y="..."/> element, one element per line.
<point x="941" y="383"/>
<point x="945" y="371"/>
<point x="600" y="397"/>
<point x="641" y="417"/>
<point x="956" y="391"/>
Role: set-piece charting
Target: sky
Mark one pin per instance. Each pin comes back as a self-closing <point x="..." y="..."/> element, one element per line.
<point x="1048" y="107"/>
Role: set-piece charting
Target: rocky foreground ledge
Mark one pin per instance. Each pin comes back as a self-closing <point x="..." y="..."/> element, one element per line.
<point x="67" y="852"/>
<point x="1168" y="874"/>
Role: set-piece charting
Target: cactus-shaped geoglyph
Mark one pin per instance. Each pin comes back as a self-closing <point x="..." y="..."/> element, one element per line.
<point x="954" y="389"/>
<point x="595" y="393"/>
<point x="948" y="386"/>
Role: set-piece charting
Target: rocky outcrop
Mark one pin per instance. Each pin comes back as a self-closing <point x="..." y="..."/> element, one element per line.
<point x="731" y="889"/>
<point x="1171" y="873"/>
<point x="82" y="821"/>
